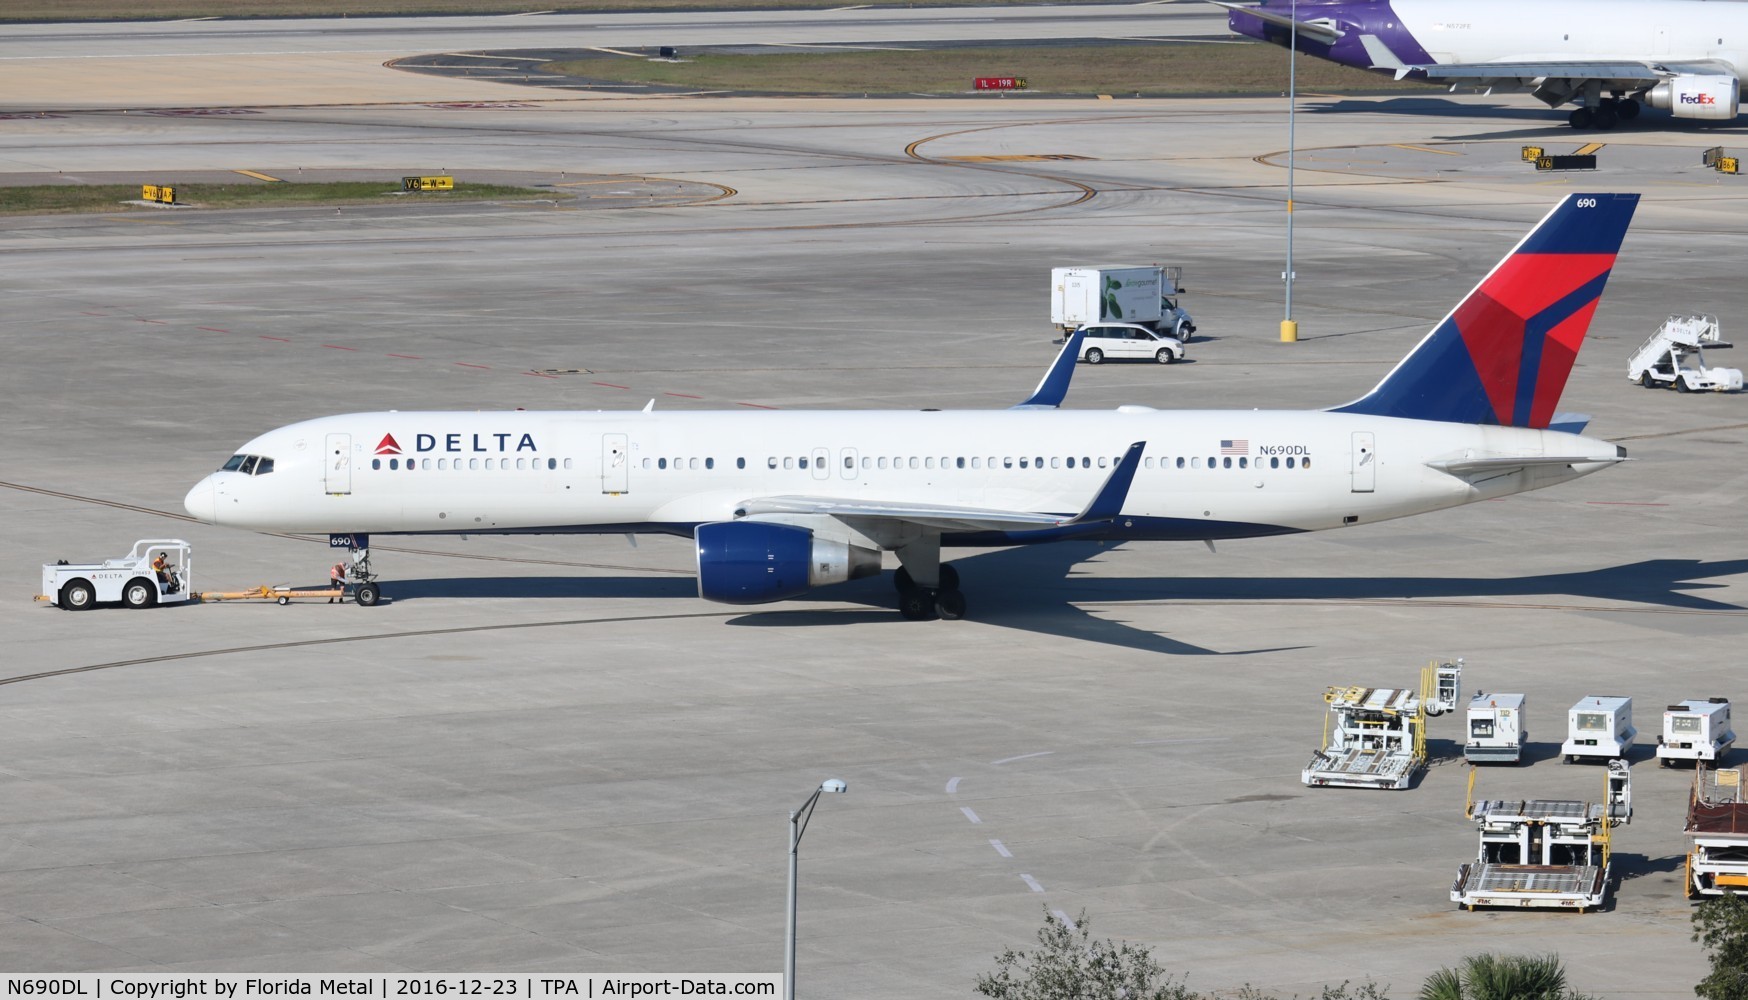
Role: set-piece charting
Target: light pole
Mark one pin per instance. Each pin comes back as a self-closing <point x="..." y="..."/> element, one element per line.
<point x="1290" y="327"/>
<point x="798" y="826"/>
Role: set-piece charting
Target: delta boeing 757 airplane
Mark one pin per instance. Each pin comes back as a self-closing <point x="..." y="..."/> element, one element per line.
<point x="779" y="502"/>
<point x="1606" y="56"/>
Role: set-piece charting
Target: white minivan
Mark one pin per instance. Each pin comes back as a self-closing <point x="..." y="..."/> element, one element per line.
<point x="1129" y="340"/>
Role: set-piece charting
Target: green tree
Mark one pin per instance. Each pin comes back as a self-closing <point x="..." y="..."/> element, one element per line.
<point x="1721" y="925"/>
<point x="1500" y="977"/>
<point x="1069" y="965"/>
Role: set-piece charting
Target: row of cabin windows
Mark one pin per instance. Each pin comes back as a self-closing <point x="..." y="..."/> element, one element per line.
<point x="502" y="464"/>
<point x="993" y="462"/>
<point x="265" y="465"/>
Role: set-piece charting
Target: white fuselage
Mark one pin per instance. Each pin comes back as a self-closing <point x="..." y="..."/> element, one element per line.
<point x="1204" y="475"/>
<point x="1658" y="31"/>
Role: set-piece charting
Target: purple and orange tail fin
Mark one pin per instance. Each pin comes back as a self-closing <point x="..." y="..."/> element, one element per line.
<point x="1503" y="354"/>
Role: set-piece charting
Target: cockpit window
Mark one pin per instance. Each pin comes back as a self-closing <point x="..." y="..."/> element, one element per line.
<point x="249" y="465"/>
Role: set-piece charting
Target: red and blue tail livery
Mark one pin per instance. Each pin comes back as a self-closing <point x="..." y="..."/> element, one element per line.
<point x="1503" y="354"/>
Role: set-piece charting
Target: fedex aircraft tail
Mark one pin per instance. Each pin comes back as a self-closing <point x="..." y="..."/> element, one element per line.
<point x="1503" y="354"/>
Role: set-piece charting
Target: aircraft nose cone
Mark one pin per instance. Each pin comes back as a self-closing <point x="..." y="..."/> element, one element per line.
<point x="201" y="502"/>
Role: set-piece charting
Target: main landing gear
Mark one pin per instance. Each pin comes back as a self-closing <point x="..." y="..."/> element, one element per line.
<point x="919" y="603"/>
<point x="1607" y="113"/>
<point x="927" y="588"/>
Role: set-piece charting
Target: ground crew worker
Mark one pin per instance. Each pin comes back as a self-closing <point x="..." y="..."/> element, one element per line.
<point x="161" y="566"/>
<point x="337" y="580"/>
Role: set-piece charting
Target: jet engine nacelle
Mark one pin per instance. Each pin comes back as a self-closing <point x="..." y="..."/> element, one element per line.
<point x="756" y="562"/>
<point x="1713" y="98"/>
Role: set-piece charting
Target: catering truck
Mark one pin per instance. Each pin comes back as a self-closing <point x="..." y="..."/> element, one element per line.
<point x="1084" y="296"/>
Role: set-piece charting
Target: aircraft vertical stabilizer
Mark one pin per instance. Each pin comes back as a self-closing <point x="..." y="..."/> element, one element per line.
<point x="1503" y="354"/>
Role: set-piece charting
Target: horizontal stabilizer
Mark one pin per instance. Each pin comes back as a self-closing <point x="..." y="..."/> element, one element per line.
<point x="1466" y="467"/>
<point x="1320" y="30"/>
<point x="1569" y="423"/>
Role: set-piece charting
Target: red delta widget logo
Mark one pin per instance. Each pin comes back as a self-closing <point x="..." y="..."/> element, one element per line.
<point x="455" y="443"/>
<point x="1698" y="99"/>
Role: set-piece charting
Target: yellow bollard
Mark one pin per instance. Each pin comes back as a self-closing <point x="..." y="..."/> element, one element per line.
<point x="1289" y="331"/>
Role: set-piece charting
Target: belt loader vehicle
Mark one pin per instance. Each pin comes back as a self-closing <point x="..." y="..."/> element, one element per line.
<point x="1376" y="737"/>
<point x="1717" y="833"/>
<point x="130" y="579"/>
<point x="1496" y="728"/>
<point x="1599" y="726"/>
<point x="1544" y="852"/>
<point x="1695" y="730"/>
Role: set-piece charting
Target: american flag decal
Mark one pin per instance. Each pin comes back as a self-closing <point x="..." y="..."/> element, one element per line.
<point x="1235" y="446"/>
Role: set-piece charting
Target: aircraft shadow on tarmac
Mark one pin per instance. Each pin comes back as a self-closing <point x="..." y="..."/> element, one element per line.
<point x="1537" y="122"/>
<point x="1041" y="588"/>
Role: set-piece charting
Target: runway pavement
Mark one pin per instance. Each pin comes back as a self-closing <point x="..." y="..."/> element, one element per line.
<point x="548" y="754"/>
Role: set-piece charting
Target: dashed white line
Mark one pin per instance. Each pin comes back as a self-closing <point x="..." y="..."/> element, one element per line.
<point x="1031" y="883"/>
<point x="952" y="785"/>
<point x="1024" y="756"/>
<point x="1001" y="848"/>
<point x="969" y="814"/>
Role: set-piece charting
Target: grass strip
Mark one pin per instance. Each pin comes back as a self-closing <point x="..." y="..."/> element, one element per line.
<point x="169" y="10"/>
<point x="1189" y="68"/>
<point x="45" y="199"/>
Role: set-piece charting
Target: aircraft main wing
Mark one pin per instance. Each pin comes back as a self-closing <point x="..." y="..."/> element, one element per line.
<point x="1106" y="504"/>
<point x="1622" y="72"/>
<point x="938" y="516"/>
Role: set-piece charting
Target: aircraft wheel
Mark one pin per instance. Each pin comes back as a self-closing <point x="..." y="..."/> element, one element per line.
<point x="78" y="596"/>
<point x="950" y="605"/>
<point x="139" y="594"/>
<point x="1095" y="356"/>
<point x="1165" y="357"/>
<point x="368" y="595"/>
<point x="1579" y="118"/>
<point x="916" y="605"/>
<point x="1627" y="108"/>
<point x="1604" y="118"/>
